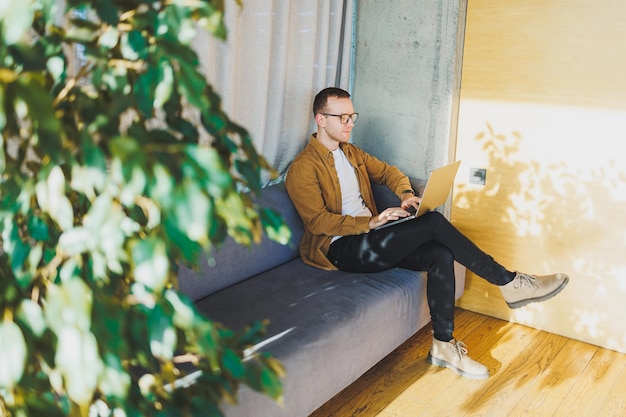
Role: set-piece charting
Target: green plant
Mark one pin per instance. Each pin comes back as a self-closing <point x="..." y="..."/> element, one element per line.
<point x="115" y="168"/>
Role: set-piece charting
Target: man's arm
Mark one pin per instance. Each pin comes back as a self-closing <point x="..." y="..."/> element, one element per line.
<point x="381" y="172"/>
<point x="319" y="204"/>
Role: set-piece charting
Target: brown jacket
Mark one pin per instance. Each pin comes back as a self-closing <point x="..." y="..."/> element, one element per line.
<point x="313" y="187"/>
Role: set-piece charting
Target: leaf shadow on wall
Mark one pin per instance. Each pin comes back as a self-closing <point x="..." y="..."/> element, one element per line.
<point x="555" y="208"/>
<point x="550" y="216"/>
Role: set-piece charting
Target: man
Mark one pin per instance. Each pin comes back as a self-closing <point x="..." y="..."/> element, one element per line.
<point x="329" y="184"/>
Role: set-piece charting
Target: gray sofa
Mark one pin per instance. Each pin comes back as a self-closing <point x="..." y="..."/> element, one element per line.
<point x="326" y="327"/>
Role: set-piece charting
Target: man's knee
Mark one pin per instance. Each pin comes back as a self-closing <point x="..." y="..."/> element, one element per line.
<point x="445" y="256"/>
<point x="434" y="217"/>
<point x="438" y="253"/>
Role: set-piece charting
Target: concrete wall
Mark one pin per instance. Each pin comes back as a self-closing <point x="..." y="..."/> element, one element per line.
<point x="406" y="80"/>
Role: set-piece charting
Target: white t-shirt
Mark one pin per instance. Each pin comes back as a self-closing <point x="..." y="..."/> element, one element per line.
<point x="352" y="203"/>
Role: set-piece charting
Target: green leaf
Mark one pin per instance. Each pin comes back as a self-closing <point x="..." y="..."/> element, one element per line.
<point x="252" y="334"/>
<point x="209" y="160"/>
<point x="107" y="11"/>
<point x="3" y="122"/>
<point x="239" y="220"/>
<point x="193" y="208"/>
<point x="184" y="312"/>
<point x="35" y="257"/>
<point x="109" y="37"/>
<point x="151" y="264"/>
<point x="165" y="86"/>
<point x="114" y="381"/>
<point x="271" y="383"/>
<point x="84" y="34"/>
<point x="76" y="240"/>
<point x="113" y="321"/>
<point x="145" y="91"/>
<point x="38" y="228"/>
<point x="174" y="21"/>
<point x="135" y="183"/>
<point x="79" y="362"/>
<point x="187" y="250"/>
<point x="274" y="225"/>
<point x="206" y="336"/>
<point x="187" y="130"/>
<point x="138" y="43"/>
<point x="251" y="172"/>
<point x="233" y="364"/>
<point x="186" y="31"/>
<point x="3" y="161"/>
<point x="88" y="180"/>
<point x="13" y="354"/>
<point x="215" y="24"/>
<point x="124" y="147"/>
<point x="68" y="304"/>
<point x="51" y="197"/>
<point x="115" y="79"/>
<point x="253" y="376"/>
<point x="126" y="47"/>
<point x="163" y="337"/>
<point x="31" y="57"/>
<point x="31" y="315"/>
<point x="32" y="100"/>
<point x="13" y="245"/>
<point x="109" y="178"/>
<point x="56" y="67"/>
<point x="162" y="184"/>
<point x="16" y="19"/>
<point x="205" y="407"/>
<point x="191" y="82"/>
<point x="273" y="364"/>
<point x="20" y="254"/>
<point x="100" y="211"/>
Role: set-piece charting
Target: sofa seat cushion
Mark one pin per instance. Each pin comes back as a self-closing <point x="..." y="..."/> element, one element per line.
<point x="327" y="328"/>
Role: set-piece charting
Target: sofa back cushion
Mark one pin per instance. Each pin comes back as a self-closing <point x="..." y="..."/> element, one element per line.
<point x="234" y="263"/>
<point x="385" y="198"/>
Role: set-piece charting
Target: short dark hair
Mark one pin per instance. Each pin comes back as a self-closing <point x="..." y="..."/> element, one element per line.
<point x="319" y="104"/>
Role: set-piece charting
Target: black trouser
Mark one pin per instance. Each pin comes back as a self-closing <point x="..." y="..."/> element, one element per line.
<point x="429" y="243"/>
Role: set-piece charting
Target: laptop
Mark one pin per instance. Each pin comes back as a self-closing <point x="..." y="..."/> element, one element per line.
<point x="435" y="194"/>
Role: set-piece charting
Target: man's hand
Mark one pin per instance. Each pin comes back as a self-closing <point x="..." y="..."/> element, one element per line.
<point x="410" y="201"/>
<point x="390" y="214"/>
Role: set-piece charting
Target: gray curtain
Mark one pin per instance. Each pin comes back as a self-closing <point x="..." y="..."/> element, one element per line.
<point x="278" y="54"/>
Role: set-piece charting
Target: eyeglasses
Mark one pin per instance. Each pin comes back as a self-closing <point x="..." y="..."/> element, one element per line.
<point x="344" y="118"/>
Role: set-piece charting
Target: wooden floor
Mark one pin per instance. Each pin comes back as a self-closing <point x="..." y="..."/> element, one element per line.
<point x="533" y="373"/>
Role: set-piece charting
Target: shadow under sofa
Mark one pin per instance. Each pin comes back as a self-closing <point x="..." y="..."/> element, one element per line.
<point x="326" y="327"/>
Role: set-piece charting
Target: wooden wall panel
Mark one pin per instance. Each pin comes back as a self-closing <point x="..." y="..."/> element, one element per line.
<point x="564" y="51"/>
<point x="543" y="110"/>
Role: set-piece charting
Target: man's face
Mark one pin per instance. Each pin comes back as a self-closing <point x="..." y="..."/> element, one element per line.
<point x="332" y="126"/>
